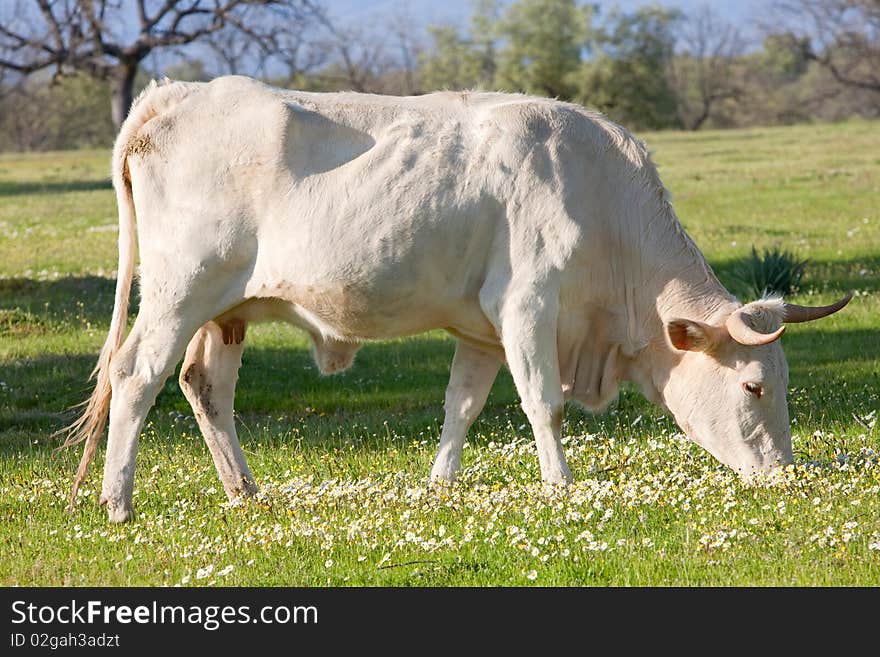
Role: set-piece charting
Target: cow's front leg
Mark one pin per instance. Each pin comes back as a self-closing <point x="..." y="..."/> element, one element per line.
<point x="528" y="333"/>
<point x="207" y="378"/>
<point x="470" y="381"/>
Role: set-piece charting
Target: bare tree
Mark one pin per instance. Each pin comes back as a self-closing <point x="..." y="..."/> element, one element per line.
<point x="284" y="47"/>
<point x="237" y="52"/>
<point x="359" y="56"/>
<point x="409" y="47"/>
<point x="89" y="35"/>
<point x="702" y="74"/>
<point x="844" y="37"/>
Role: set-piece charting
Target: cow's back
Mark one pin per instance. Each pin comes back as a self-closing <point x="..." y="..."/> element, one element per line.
<point x="386" y="215"/>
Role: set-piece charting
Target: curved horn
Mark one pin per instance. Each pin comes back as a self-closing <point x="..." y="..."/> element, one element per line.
<point x="745" y="334"/>
<point x="794" y="314"/>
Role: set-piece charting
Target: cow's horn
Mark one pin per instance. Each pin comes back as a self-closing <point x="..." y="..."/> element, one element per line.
<point x="795" y="313"/>
<point x="745" y="334"/>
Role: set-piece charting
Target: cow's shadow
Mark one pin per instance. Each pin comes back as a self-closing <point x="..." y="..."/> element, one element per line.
<point x="394" y="388"/>
<point x="29" y="306"/>
<point x="29" y="188"/>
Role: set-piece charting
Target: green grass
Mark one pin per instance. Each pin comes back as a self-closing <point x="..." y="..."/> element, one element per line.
<point x="343" y="460"/>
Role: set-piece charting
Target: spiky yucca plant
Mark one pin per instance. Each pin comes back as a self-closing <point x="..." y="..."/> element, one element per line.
<point x="772" y="272"/>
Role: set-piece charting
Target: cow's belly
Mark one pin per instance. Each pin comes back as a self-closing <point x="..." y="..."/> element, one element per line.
<point x="349" y="312"/>
<point x="345" y="316"/>
<point x="355" y="292"/>
<point x="372" y="267"/>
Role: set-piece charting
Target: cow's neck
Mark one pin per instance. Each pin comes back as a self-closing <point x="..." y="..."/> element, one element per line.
<point x="671" y="280"/>
<point x="675" y="279"/>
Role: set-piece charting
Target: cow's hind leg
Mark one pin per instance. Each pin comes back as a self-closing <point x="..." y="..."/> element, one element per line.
<point x="470" y="381"/>
<point x="207" y="378"/>
<point x="137" y="372"/>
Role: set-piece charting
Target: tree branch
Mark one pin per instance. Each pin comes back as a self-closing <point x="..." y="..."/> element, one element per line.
<point x="76" y="35"/>
<point x="88" y="8"/>
<point x="24" y="42"/>
<point x="52" y="22"/>
<point x="847" y="29"/>
<point x="142" y="14"/>
<point x="870" y="84"/>
<point x="148" y="24"/>
<point x="26" y="68"/>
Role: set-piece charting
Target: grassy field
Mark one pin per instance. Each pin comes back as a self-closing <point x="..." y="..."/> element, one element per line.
<point x="343" y="460"/>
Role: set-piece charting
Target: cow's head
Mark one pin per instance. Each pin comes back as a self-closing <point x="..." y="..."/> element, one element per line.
<point x="726" y="383"/>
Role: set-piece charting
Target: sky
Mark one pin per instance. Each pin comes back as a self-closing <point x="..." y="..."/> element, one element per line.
<point x="373" y="13"/>
<point x="426" y="12"/>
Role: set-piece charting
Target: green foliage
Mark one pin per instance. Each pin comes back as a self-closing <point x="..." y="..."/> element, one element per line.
<point x="629" y="67"/>
<point x="191" y="70"/>
<point x="451" y="63"/>
<point x="627" y="80"/>
<point x="785" y="56"/>
<point x="775" y="271"/>
<point x="484" y="37"/>
<point x="692" y="87"/>
<point x="67" y="112"/>
<point x="544" y="42"/>
<point x="641" y="68"/>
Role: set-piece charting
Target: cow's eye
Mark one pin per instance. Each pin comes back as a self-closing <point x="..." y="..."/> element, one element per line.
<point x="753" y="388"/>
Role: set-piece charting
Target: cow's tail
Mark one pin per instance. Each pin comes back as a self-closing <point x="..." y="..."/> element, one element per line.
<point x="89" y="426"/>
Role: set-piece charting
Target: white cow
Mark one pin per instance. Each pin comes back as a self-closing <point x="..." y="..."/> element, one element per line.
<point x="534" y="231"/>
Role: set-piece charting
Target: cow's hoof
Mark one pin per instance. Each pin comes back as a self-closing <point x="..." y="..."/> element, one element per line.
<point x="241" y="489"/>
<point x="442" y="479"/>
<point x="561" y="476"/>
<point x="444" y="473"/>
<point x="117" y="511"/>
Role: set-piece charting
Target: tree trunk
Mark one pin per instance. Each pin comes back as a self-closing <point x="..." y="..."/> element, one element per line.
<point x="121" y="91"/>
<point x="701" y="119"/>
<point x="698" y="122"/>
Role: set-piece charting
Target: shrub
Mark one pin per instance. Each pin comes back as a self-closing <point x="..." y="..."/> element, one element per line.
<point x="773" y="272"/>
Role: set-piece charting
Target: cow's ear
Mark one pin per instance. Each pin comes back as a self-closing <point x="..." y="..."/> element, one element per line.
<point x="688" y="335"/>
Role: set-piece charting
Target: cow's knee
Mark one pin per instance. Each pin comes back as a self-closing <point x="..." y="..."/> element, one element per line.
<point x="131" y="377"/>
<point x="190" y="379"/>
<point x="198" y="388"/>
<point x="193" y="379"/>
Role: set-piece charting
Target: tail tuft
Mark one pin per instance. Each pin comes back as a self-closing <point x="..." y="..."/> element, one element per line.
<point x="89" y="426"/>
